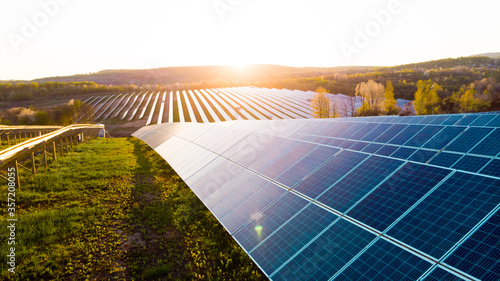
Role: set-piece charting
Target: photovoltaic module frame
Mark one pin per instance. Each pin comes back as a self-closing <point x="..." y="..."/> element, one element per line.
<point x="367" y="198"/>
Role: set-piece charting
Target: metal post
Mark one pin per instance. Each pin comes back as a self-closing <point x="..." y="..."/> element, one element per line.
<point x="61" y="146"/>
<point x="33" y="164"/>
<point x="54" y="150"/>
<point x="45" y="156"/>
<point x="67" y="146"/>
<point x="18" y="185"/>
<point x="39" y="133"/>
<point x="31" y="135"/>
<point x="8" y="140"/>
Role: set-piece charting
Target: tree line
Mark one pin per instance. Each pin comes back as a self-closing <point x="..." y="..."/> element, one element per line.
<point x="75" y="111"/>
<point x="377" y="99"/>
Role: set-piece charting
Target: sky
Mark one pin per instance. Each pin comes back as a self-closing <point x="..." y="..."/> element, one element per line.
<point x="43" y="38"/>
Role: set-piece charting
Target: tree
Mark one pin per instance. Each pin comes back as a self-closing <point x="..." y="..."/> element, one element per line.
<point x="321" y="105"/>
<point x="469" y="103"/>
<point x="371" y="94"/>
<point x="426" y="98"/>
<point x="390" y="104"/>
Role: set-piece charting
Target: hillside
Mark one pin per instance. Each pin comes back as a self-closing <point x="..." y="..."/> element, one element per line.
<point x="190" y="74"/>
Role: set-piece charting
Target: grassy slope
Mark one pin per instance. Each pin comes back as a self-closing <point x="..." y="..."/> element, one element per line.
<point x="113" y="209"/>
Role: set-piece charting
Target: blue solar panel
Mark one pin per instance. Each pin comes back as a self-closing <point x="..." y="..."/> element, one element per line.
<point x="403" y="153"/>
<point x="335" y="142"/>
<point x="331" y="172"/>
<point x="363" y="131"/>
<point x="327" y="254"/>
<point x="271" y="253"/>
<point x="266" y="222"/>
<point x="359" y="146"/>
<point x="427" y="119"/>
<point x="423" y="136"/>
<point x="444" y="137"/>
<point x="385" y="261"/>
<point x="346" y="144"/>
<point x="337" y="128"/>
<point x="448" y="213"/>
<point x="251" y="206"/>
<point x="390" y="133"/>
<point x="422" y="155"/>
<point x="451" y="120"/>
<point x="261" y="180"/>
<point x="406" y="134"/>
<point x="295" y="154"/>
<point x="495" y="122"/>
<point x="471" y="163"/>
<point x="376" y="132"/>
<point x="306" y="165"/>
<point x="490" y="145"/>
<point x="468" y="139"/>
<point x="387" y="150"/>
<point x="492" y="169"/>
<point x="439" y="119"/>
<point x="396" y="195"/>
<point x="359" y="182"/>
<point x="479" y="255"/>
<point x="467" y="120"/>
<point x="351" y="130"/>
<point x="439" y="274"/>
<point x="372" y="148"/>
<point x="482" y="120"/>
<point x="445" y="159"/>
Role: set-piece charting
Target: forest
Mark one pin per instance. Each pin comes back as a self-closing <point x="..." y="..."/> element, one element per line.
<point x="466" y="84"/>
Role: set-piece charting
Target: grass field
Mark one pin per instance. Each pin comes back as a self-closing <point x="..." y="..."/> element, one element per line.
<point x="114" y="210"/>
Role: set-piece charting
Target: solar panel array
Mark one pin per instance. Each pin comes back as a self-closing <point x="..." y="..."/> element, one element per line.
<point x="372" y="198"/>
<point x="213" y="105"/>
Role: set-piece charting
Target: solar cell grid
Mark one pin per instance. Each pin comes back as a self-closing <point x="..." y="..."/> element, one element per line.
<point x="444" y="137"/>
<point x="423" y="136"/>
<point x="363" y="131"/>
<point x="376" y="132"/>
<point x="492" y="169"/>
<point x="482" y="120"/>
<point x="385" y="261"/>
<point x="406" y="134"/>
<point x="495" y="122"/>
<point x="361" y="180"/>
<point x="466" y="120"/>
<point x="266" y="222"/>
<point x="471" y="163"/>
<point x="479" y="255"/>
<point x="305" y="165"/>
<point x="443" y="218"/>
<point x="403" y="152"/>
<point x="292" y="236"/>
<point x="327" y="254"/>
<point x="272" y="191"/>
<point x="422" y="155"/>
<point x="390" y="133"/>
<point x="446" y="159"/>
<point x="397" y="194"/>
<point x="439" y="274"/>
<point x="314" y="184"/>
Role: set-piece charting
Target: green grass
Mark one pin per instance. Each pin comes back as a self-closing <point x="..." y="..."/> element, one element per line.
<point x="114" y="210"/>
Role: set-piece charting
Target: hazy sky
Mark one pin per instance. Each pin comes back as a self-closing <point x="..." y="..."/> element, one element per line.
<point x="62" y="37"/>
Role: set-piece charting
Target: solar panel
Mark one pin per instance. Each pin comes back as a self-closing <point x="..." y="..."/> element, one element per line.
<point x="376" y="198"/>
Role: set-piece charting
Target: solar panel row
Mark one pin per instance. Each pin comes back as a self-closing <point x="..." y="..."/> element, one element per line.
<point x="374" y="198"/>
<point x="211" y="105"/>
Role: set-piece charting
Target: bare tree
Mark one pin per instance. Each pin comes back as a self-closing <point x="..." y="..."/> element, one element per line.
<point x="372" y="95"/>
<point x="321" y="105"/>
